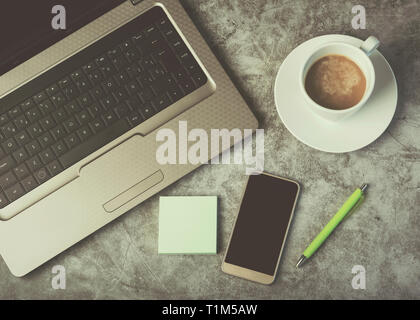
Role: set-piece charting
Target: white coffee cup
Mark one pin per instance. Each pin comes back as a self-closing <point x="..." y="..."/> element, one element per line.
<point x="360" y="56"/>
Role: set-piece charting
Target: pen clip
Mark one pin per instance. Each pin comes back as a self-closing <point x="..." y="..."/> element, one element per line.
<point x="358" y="203"/>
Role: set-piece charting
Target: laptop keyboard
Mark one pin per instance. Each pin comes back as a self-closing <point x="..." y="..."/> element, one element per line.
<point x="98" y="95"/>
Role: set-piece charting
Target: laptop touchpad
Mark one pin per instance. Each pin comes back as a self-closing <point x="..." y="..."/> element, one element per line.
<point x="122" y="174"/>
<point x="134" y="191"/>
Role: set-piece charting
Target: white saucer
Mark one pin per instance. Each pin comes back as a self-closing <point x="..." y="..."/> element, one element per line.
<point x="347" y="135"/>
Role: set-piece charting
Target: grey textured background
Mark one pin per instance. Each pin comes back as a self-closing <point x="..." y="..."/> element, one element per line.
<point x="252" y="38"/>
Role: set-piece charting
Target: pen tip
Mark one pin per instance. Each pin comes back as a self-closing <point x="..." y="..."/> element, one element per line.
<point x="364" y="187"/>
<point x="302" y="259"/>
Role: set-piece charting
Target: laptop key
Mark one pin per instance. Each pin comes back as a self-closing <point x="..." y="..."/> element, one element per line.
<point x="46" y="156"/>
<point x="107" y="71"/>
<point x="89" y="67"/>
<point x="41" y="176"/>
<point x="187" y="85"/>
<point x="120" y="94"/>
<point x="109" y="85"/>
<point x="71" y="140"/>
<point x="119" y="62"/>
<point x="109" y="117"/>
<point x="71" y="92"/>
<point x="134" y="70"/>
<point x="20" y="155"/>
<point x="132" y="87"/>
<point x="135" y="119"/>
<point x="148" y="63"/>
<point x="126" y="45"/>
<point x="22" y="138"/>
<point x="29" y="183"/>
<point x="95" y="77"/>
<point x="82" y="84"/>
<point x="199" y="78"/>
<point x="59" y="148"/>
<point x="108" y="102"/>
<point x="35" y="130"/>
<point x="27" y="104"/>
<point x="138" y="38"/>
<point x="146" y="94"/>
<point x="132" y="55"/>
<point x="151" y="31"/>
<point x="21" y="171"/>
<point x="101" y="61"/>
<point x="97" y="125"/>
<point x="83" y="117"/>
<point x="33" y="147"/>
<point x="122" y="110"/>
<point x="85" y="100"/>
<point x="95" y="110"/>
<point x="175" y="93"/>
<point x="161" y="102"/>
<point x="14" y="112"/>
<point x="3" y="119"/>
<point x="97" y="92"/>
<point x="7" y="180"/>
<point x="21" y="122"/>
<point x="6" y="164"/>
<point x="84" y="133"/>
<point x="46" y="139"/>
<point x="41" y="96"/>
<point x="9" y="130"/>
<point x="71" y="124"/>
<point x="33" y="114"/>
<point x="46" y="106"/>
<point x="34" y="164"/>
<point x="122" y="78"/>
<point x="54" y="168"/>
<point x="59" y="99"/>
<point x="72" y="107"/>
<point x="15" y="192"/>
<point x="114" y="52"/>
<point x="47" y="123"/>
<point x="147" y="111"/>
<point x="3" y="200"/>
<point x="76" y="75"/>
<point x="10" y="145"/>
<point x="58" y="132"/>
<point x="64" y="82"/>
<point x="59" y="115"/>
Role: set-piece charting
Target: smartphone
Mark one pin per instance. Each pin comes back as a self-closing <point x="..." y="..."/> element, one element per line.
<point x="261" y="227"/>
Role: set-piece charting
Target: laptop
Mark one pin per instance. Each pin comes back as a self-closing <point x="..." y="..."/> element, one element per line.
<point x="80" y="109"/>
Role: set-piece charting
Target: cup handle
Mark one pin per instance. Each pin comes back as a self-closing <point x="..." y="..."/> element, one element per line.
<point x="370" y="45"/>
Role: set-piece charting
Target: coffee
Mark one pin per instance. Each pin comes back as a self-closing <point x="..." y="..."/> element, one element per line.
<point x="335" y="82"/>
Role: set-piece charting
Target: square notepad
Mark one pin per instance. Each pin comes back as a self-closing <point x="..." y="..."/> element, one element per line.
<point x="188" y="225"/>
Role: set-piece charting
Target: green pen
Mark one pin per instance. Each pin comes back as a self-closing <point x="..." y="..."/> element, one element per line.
<point x="349" y="206"/>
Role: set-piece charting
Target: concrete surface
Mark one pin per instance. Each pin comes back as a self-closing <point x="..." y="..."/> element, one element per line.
<point x="252" y="38"/>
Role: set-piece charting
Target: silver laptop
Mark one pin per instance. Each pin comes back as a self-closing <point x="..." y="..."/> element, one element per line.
<point x="80" y="108"/>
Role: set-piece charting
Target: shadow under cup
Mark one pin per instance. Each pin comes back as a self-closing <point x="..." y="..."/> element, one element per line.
<point x="353" y="53"/>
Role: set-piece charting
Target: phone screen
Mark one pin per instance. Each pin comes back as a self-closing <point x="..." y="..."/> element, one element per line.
<point x="262" y="223"/>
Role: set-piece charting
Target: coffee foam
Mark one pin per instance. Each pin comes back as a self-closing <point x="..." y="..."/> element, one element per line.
<point x="339" y="76"/>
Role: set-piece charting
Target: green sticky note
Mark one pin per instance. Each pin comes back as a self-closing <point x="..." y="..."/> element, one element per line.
<point x="188" y="225"/>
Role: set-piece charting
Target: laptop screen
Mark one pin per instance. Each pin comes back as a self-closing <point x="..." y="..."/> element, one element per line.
<point x="26" y="29"/>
